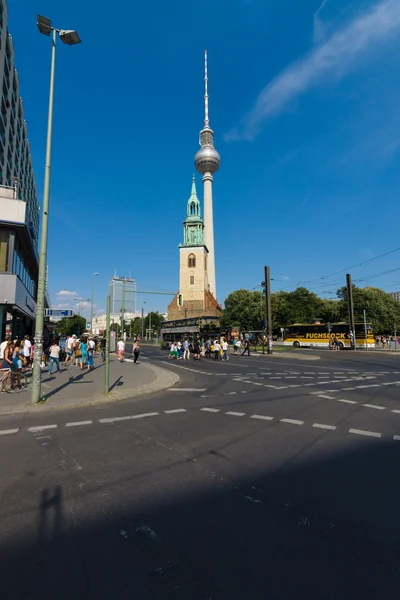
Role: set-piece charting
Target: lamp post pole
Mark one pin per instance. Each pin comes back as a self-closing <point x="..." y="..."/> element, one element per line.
<point x="67" y="37"/>
<point x="91" y="311"/>
<point x="142" y="323"/>
<point x="41" y="292"/>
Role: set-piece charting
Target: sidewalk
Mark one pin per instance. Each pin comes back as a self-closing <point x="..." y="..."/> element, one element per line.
<point x="72" y="388"/>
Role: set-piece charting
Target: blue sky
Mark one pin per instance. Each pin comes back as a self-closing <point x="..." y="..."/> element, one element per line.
<point x="304" y="101"/>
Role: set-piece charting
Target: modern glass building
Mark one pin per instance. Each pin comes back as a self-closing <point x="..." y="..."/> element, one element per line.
<point x="118" y="286"/>
<point x="19" y="208"/>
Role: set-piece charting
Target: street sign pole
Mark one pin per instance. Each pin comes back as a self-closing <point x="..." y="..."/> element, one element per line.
<point x="107" y="364"/>
<point x="267" y="276"/>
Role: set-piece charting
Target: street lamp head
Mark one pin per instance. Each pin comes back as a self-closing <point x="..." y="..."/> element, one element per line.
<point x="70" y="37"/>
<point x="95" y="274"/>
<point x="44" y="25"/>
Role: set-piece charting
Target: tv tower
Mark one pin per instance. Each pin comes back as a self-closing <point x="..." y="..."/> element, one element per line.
<point x="207" y="161"/>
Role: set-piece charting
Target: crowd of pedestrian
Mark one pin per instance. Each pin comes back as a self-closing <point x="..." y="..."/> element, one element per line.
<point x="15" y="355"/>
<point x="216" y="349"/>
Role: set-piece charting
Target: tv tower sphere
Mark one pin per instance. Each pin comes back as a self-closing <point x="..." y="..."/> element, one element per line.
<point x="207" y="159"/>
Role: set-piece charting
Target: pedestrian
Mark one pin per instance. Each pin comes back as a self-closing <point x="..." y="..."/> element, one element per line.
<point x="225" y="349"/>
<point x="238" y="346"/>
<point x="186" y="350"/>
<point x="179" y="349"/>
<point x="246" y="347"/>
<point x="90" y="357"/>
<point x="83" y="348"/>
<point x="27" y="351"/>
<point x="76" y="350"/>
<point x="234" y="345"/>
<point x="196" y="350"/>
<point x="54" y="356"/>
<point x="136" y="352"/>
<point x="3" y="346"/>
<point x="121" y="349"/>
<point x="103" y="347"/>
<point x="217" y="349"/>
<point x="68" y="350"/>
<point x="7" y="363"/>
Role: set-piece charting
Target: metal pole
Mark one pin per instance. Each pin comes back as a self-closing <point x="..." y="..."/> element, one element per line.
<point x="123" y="308"/>
<point x="351" y="311"/>
<point x="142" y="323"/>
<point x="395" y="336"/>
<point x="267" y="276"/>
<point x="365" y="328"/>
<point x="150" y="322"/>
<point x="107" y="365"/>
<point x="91" y="311"/>
<point x="41" y="292"/>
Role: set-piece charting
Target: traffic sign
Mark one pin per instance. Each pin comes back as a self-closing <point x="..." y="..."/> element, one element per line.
<point x="55" y="312"/>
<point x="88" y="327"/>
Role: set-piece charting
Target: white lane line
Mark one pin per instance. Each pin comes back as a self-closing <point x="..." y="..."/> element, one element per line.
<point x="275" y="377"/>
<point x="396" y="437"/>
<point x="306" y="377"/>
<point x="186" y="389"/>
<point x="213" y="410"/>
<point x="347" y="401"/>
<point x="327" y="397"/>
<point x="322" y="376"/>
<point x="230" y="394"/>
<point x="235" y="414"/>
<point x="114" y="419"/>
<point x="175" y="410"/>
<point x="41" y="428"/>
<point x="292" y="421"/>
<point x="257" y="383"/>
<point x="374" y="406"/>
<point x="396" y="411"/>
<point x="281" y="373"/>
<point x="309" y="373"/>
<point x="322" y="426"/>
<point x="368" y="433"/>
<point x="243" y="392"/>
<point x="291" y="377"/>
<point x="262" y="417"/>
<point x="8" y="431"/>
<point x="76" y="423"/>
<point x="144" y="415"/>
<point x="282" y="387"/>
<point x="348" y="389"/>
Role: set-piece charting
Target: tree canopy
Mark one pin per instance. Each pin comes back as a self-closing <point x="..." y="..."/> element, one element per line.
<point x="246" y="309"/>
<point x="71" y="325"/>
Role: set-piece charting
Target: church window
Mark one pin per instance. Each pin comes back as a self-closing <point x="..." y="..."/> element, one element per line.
<point x="191" y="261"/>
<point x="192" y="280"/>
<point x="193" y="209"/>
<point x="205" y="263"/>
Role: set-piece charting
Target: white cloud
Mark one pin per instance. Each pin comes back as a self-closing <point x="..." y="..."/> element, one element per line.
<point x="319" y="27"/>
<point x="332" y="59"/>
<point x="66" y="293"/>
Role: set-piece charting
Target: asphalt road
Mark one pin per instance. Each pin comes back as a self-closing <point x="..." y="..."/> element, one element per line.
<point x="262" y="477"/>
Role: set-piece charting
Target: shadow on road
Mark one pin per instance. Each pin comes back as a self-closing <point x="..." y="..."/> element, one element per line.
<point x="317" y="529"/>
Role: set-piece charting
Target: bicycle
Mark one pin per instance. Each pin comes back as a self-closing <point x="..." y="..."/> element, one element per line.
<point x="14" y="375"/>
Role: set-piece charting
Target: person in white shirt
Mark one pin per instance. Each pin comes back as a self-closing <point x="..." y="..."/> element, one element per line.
<point x="54" y="356"/>
<point x="27" y="350"/>
<point x="3" y="346"/>
<point x="69" y="350"/>
<point x="217" y="349"/>
<point x="225" y="349"/>
<point x="121" y="349"/>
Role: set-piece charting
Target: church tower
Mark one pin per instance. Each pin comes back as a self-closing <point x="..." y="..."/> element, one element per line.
<point x="194" y="287"/>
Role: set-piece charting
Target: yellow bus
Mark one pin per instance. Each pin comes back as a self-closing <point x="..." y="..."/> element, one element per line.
<point x="321" y="335"/>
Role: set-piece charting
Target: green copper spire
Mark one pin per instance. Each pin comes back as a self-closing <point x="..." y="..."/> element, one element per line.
<point x="193" y="226"/>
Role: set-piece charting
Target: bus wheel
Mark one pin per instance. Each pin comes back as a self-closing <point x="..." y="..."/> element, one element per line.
<point x="341" y="346"/>
<point x="296" y="344"/>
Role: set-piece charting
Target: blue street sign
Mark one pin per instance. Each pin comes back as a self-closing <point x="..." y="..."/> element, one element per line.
<point x="55" y="312"/>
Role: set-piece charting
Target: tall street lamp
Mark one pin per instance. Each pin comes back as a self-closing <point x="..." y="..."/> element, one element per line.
<point x="69" y="37"/>
<point x="91" y="312"/>
<point x="149" y="313"/>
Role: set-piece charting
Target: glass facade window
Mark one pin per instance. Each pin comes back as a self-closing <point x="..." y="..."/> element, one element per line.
<point x="22" y="273"/>
<point x="4" y="246"/>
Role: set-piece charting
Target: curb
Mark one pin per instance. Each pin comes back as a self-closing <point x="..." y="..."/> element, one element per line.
<point x="164" y="380"/>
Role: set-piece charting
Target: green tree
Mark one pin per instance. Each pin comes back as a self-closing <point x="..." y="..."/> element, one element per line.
<point x="383" y="311"/>
<point x="71" y="325"/>
<point x="244" y="309"/>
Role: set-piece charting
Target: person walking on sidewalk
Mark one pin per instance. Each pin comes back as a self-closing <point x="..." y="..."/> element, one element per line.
<point x="83" y="347"/>
<point x="186" y="351"/>
<point x="121" y="349"/>
<point x="54" y="356"/>
<point x="225" y="349"/>
<point x="90" y="359"/>
<point x="217" y="349"/>
<point x="246" y="347"/>
<point x="136" y="352"/>
<point x="27" y="351"/>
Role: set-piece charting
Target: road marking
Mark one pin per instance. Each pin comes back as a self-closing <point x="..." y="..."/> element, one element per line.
<point x="230" y="394"/>
<point x="374" y="406"/>
<point x="8" y="431"/>
<point x="76" y="423"/>
<point x="347" y="401"/>
<point x="41" y="428"/>
<point x="396" y="437"/>
<point x="396" y="411"/>
<point x="186" y="389"/>
<point x="262" y="417"/>
<point x="327" y="397"/>
<point x="213" y="410"/>
<point x="275" y="377"/>
<point x="322" y="426"/>
<point x="175" y="410"/>
<point x="144" y="415"/>
<point x="292" y="421"/>
<point x="243" y="392"/>
<point x="113" y="419"/>
<point x="257" y="383"/>
<point x="348" y="389"/>
<point x="368" y="433"/>
<point x="235" y="414"/>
